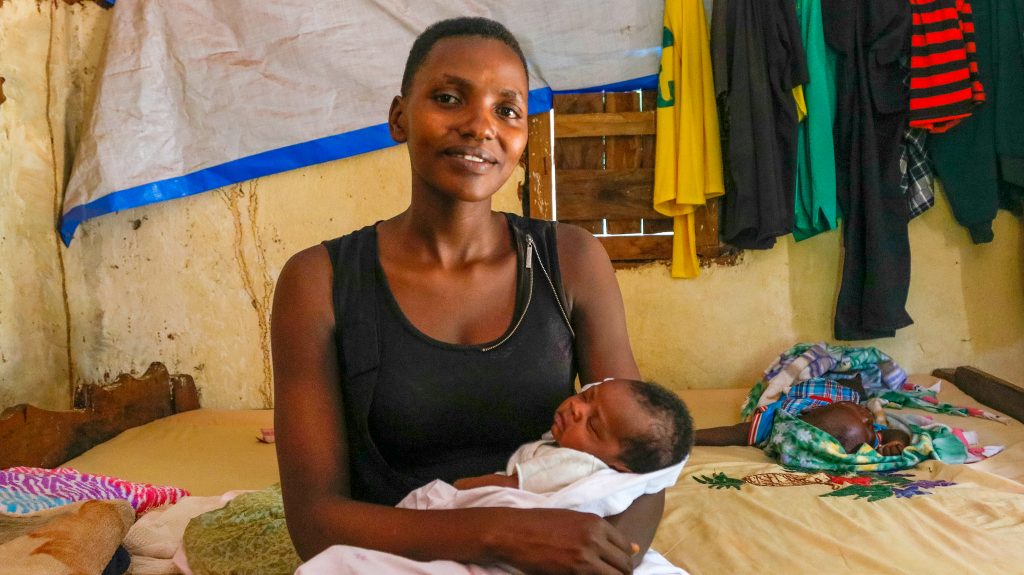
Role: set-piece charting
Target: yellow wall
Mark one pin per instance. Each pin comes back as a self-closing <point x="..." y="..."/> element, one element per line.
<point x="189" y="282"/>
<point x="723" y="329"/>
<point x="49" y="55"/>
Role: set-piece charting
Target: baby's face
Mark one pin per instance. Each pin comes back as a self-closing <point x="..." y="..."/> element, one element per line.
<point x="597" y="420"/>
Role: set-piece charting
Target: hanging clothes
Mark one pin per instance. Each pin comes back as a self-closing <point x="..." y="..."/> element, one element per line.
<point x="816" y="208"/>
<point x="980" y="162"/>
<point x="916" y="181"/>
<point x="759" y="59"/>
<point x="688" y="156"/>
<point x="944" y="86"/>
<point x="870" y="40"/>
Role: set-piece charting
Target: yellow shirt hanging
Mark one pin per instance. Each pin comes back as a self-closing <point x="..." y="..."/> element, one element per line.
<point x="688" y="154"/>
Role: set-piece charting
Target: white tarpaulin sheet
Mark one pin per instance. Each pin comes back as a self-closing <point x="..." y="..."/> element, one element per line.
<point x="199" y="94"/>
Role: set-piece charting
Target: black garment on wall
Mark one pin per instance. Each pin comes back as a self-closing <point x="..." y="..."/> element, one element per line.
<point x="758" y="58"/>
<point x="871" y="40"/>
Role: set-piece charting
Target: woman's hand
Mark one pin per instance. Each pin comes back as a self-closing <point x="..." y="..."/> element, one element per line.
<point x="553" y="541"/>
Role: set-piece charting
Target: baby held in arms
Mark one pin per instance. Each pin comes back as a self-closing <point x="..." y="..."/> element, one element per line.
<point x="626" y="425"/>
<point x="619" y="424"/>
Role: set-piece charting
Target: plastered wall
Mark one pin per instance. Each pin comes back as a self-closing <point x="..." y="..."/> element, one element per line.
<point x="189" y="282"/>
<point x="723" y="329"/>
<point x="49" y="53"/>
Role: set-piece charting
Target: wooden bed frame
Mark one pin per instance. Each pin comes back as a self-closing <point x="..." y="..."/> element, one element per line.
<point x="36" y="437"/>
<point x="994" y="392"/>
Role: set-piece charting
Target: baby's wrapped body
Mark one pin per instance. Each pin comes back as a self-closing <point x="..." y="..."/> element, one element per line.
<point x="605" y="492"/>
<point x="819" y="407"/>
<point x="834" y="406"/>
<point x="611" y="443"/>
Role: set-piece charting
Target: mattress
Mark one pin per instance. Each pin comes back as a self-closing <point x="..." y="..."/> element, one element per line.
<point x="205" y="451"/>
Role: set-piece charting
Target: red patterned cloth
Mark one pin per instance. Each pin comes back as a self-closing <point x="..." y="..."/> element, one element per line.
<point x="28" y="489"/>
<point x="944" y="85"/>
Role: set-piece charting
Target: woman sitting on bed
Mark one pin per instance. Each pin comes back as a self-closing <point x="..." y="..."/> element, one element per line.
<point x="431" y="345"/>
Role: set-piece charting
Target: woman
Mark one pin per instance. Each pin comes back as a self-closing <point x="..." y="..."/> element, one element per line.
<point x="432" y="344"/>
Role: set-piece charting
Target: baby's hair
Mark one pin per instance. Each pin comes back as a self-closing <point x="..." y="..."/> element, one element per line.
<point x="452" y="28"/>
<point x="670" y="437"/>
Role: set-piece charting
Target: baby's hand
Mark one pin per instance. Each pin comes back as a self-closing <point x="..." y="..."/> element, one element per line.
<point x="891" y="448"/>
<point x="493" y="479"/>
<point x="894" y="442"/>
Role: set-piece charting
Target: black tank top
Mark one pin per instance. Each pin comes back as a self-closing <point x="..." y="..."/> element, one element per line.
<point x="418" y="409"/>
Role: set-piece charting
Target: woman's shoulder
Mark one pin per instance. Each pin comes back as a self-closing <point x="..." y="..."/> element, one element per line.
<point x="571" y="241"/>
<point x="319" y="263"/>
<point x="307" y="268"/>
<point x="581" y="255"/>
<point x="360" y="237"/>
<point x="351" y="253"/>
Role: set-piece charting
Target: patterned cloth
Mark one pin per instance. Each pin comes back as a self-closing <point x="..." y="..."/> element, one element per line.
<point x="916" y="182"/>
<point x="248" y="535"/>
<point x="801" y="445"/>
<point x="806" y="361"/>
<point x="944" y="85"/>
<point x="26" y="490"/>
<point x="927" y="400"/>
<point x="975" y="452"/>
<point x="807" y="395"/>
<point x="816" y="392"/>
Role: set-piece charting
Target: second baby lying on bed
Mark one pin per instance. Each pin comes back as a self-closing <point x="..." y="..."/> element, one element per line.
<point x="626" y="425"/>
<point x="830" y="405"/>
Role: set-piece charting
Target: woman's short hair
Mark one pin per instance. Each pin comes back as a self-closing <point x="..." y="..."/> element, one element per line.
<point x="453" y="28"/>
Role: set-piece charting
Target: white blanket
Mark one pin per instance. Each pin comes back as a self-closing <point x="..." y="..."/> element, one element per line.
<point x="604" y="493"/>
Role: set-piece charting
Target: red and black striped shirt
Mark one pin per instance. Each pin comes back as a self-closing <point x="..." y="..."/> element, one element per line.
<point x="944" y="84"/>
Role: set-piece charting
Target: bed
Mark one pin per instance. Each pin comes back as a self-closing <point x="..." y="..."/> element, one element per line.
<point x="733" y="510"/>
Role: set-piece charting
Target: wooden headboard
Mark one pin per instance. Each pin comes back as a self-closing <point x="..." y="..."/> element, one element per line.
<point x="988" y="389"/>
<point x="36" y="437"/>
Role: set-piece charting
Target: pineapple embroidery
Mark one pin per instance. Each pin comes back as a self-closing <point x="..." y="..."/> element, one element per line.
<point x="871" y="486"/>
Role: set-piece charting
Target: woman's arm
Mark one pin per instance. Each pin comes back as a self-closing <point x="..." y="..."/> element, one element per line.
<point x="313" y="458"/>
<point x="489" y="480"/>
<point x="602" y="348"/>
<point x="596" y="310"/>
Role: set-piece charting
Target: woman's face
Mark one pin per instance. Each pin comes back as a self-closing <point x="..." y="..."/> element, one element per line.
<point x="464" y="118"/>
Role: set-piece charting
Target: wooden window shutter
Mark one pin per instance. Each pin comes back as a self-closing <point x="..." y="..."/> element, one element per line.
<point x="603" y="154"/>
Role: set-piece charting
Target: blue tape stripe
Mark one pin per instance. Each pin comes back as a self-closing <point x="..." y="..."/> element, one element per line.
<point x="262" y="164"/>
<point x="281" y="160"/>
<point x="539" y="101"/>
<point x="641" y="83"/>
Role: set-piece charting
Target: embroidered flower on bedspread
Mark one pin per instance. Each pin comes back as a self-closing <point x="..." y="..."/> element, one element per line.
<point x="871" y="486"/>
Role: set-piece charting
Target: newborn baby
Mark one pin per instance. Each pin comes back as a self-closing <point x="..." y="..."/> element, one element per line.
<point x="626" y="425"/>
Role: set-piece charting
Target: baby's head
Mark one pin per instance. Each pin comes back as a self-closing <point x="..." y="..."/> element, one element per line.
<point x="850" y="423"/>
<point x="630" y="425"/>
